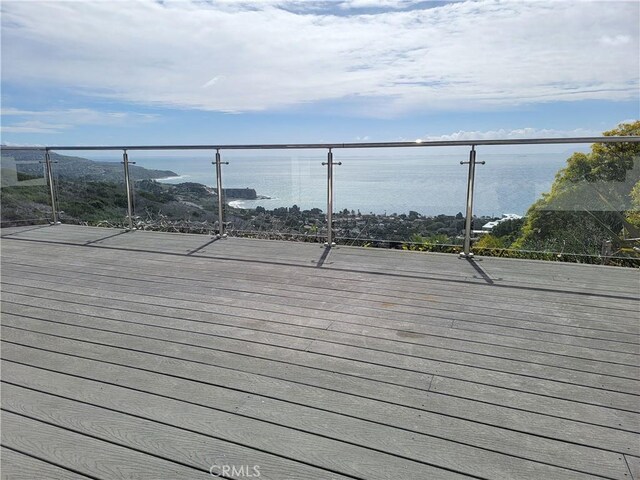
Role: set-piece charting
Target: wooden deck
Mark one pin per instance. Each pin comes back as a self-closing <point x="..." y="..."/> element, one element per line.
<point x="167" y="356"/>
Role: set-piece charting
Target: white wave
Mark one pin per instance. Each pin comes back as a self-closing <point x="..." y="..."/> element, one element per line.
<point x="237" y="204"/>
<point x="178" y="177"/>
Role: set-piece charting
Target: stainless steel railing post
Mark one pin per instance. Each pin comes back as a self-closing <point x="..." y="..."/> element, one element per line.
<point x="218" y="163"/>
<point x="469" y="213"/>
<point x="330" y="242"/>
<point x="127" y="181"/>
<point x="52" y="190"/>
<point x="330" y="163"/>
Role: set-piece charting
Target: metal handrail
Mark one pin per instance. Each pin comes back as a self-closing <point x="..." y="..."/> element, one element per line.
<point x="309" y="146"/>
<point x="330" y="163"/>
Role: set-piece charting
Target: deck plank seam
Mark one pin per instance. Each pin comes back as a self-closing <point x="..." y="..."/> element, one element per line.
<point x="310" y="432"/>
<point x="260" y="337"/>
<point x="111" y="442"/>
<point x="373" y="449"/>
<point x="232" y="325"/>
<point x="287" y="380"/>
<point x="547" y="330"/>
<point x="337" y="391"/>
<point x="282" y="378"/>
<point x="246" y="290"/>
<point x="351" y="416"/>
<point x="278" y="312"/>
<point x="159" y="422"/>
<point x="270" y="279"/>
<point x="431" y="335"/>
<point x="282" y="296"/>
<point x="306" y="349"/>
<point x="308" y="384"/>
<point x="413" y="277"/>
<point x="454" y="326"/>
<point x="202" y="363"/>
<point x="433" y="376"/>
<point x="626" y="461"/>
<point x="59" y="465"/>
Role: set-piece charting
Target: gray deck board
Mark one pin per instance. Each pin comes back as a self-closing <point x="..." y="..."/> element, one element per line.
<point x="183" y="445"/>
<point x="327" y="276"/>
<point x="294" y="414"/>
<point x="362" y="380"/>
<point x="563" y="310"/>
<point x="355" y="304"/>
<point x="385" y="339"/>
<point x="455" y="360"/>
<point x="282" y="286"/>
<point x="96" y="458"/>
<point x="537" y="385"/>
<point x="153" y="355"/>
<point x="206" y="414"/>
<point x="408" y="326"/>
<point x="606" y="340"/>
<point x="405" y="330"/>
<point x="18" y="466"/>
<point x="634" y="466"/>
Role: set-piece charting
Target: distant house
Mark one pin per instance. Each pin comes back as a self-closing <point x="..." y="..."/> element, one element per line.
<point x="487" y="227"/>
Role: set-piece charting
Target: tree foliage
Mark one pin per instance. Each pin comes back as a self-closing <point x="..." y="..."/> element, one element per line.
<point x="594" y="199"/>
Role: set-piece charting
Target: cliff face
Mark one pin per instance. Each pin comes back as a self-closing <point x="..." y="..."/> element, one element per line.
<point x="27" y="162"/>
<point x="238" y="193"/>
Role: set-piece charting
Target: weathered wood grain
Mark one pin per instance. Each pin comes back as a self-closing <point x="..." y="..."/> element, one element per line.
<point x="634" y="465"/>
<point x="456" y="362"/>
<point x="320" y="452"/>
<point x="18" y="466"/>
<point x="457" y="334"/>
<point x="181" y="445"/>
<point x="325" y="399"/>
<point x="86" y="455"/>
<point x="390" y="440"/>
<point x="314" y="287"/>
<point x="373" y="363"/>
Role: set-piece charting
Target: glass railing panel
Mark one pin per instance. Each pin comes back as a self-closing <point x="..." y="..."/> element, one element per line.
<point x="572" y="203"/>
<point x="275" y="194"/>
<point x="173" y="190"/>
<point x="89" y="188"/>
<point x="411" y="198"/>
<point x="25" y="193"/>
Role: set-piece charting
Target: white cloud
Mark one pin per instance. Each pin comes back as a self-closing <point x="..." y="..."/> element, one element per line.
<point x="346" y="4"/>
<point x="55" y="121"/>
<point x="13" y="144"/>
<point x="506" y="134"/>
<point x="34" y="126"/>
<point x="252" y="56"/>
<point x="615" y="41"/>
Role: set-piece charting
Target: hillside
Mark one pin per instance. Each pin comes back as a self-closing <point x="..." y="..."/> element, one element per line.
<point x="73" y="168"/>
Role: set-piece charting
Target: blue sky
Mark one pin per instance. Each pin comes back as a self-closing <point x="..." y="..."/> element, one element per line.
<point x="273" y="71"/>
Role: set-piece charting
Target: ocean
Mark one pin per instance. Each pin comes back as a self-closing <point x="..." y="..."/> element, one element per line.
<point x="429" y="184"/>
